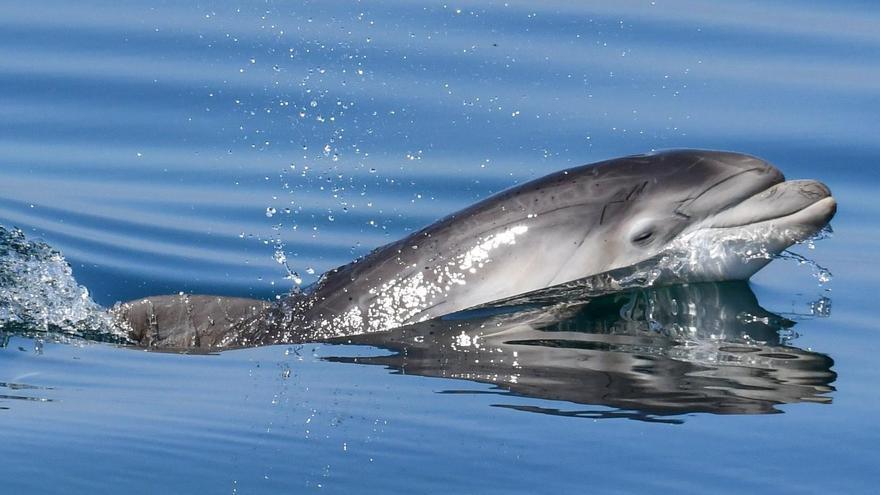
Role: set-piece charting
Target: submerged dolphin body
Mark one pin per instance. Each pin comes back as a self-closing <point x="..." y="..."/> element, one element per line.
<point x="702" y="215"/>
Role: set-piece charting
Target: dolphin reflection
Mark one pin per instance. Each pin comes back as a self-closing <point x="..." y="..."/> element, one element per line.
<point x="646" y="353"/>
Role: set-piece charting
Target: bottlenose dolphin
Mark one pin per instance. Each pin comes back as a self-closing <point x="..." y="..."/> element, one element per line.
<point x="702" y="215"/>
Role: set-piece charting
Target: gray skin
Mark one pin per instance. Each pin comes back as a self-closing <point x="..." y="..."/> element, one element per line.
<point x="699" y="211"/>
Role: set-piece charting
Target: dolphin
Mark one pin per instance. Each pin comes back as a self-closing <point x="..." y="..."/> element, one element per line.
<point x="699" y="215"/>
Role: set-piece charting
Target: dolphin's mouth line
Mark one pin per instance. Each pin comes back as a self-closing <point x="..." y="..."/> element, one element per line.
<point x="778" y="202"/>
<point x="783" y="217"/>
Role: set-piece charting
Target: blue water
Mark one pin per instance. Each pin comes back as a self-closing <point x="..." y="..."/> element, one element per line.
<point x="147" y="141"/>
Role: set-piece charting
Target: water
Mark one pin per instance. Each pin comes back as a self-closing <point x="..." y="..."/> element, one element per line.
<point x="149" y="143"/>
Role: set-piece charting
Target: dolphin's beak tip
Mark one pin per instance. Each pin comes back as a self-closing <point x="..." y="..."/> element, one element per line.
<point x="822" y="212"/>
<point x="831" y="206"/>
<point x="828" y="202"/>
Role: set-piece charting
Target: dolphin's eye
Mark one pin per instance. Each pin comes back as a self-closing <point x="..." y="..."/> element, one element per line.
<point x="643" y="236"/>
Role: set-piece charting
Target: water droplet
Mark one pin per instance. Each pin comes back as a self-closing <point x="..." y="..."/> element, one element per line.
<point x="270" y="212"/>
<point x="280" y="257"/>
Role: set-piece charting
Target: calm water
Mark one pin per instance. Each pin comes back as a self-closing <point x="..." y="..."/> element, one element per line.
<point x="174" y="146"/>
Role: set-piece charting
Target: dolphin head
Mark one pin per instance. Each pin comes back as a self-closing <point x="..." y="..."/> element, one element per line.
<point x="710" y="215"/>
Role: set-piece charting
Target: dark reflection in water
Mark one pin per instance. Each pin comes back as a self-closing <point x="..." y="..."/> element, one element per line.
<point x="646" y="353"/>
<point x="15" y="391"/>
<point x="19" y="391"/>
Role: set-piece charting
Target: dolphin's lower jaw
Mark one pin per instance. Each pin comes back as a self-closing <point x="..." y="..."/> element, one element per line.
<point x="722" y="250"/>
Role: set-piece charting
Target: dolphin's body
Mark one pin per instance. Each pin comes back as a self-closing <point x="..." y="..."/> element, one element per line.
<point x="708" y="215"/>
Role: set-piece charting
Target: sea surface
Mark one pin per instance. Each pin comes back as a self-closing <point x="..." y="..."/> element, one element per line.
<point x="238" y="148"/>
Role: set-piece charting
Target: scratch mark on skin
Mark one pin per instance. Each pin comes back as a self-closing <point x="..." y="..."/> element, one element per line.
<point x="605" y="209"/>
<point x="633" y="194"/>
<point x="696" y="162"/>
<point x="636" y="191"/>
<point x="681" y="205"/>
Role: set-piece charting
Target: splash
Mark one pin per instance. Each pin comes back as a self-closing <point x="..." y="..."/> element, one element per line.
<point x="39" y="294"/>
<point x="822" y="274"/>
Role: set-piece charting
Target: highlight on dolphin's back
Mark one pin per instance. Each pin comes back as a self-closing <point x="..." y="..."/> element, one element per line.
<point x="631" y="264"/>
